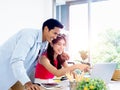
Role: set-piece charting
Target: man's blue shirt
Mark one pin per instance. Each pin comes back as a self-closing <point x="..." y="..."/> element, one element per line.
<point x="18" y="56"/>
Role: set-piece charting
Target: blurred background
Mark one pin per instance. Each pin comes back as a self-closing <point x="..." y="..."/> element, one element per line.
<point x="92" y="26"/>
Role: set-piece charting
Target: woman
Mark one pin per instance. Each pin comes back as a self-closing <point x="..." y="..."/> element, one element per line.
<point x="50" y="64"/>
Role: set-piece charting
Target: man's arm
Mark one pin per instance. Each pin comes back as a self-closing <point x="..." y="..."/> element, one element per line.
<point x="20" y="72"/>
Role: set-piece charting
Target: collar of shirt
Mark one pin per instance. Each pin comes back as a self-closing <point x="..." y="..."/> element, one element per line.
<point x="39" y="40"/>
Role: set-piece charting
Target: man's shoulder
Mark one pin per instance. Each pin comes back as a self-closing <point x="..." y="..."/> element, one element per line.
<point x="30" y="30"/>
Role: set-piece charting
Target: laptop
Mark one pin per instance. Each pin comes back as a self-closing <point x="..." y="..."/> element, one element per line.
<point x="103" y="71"/>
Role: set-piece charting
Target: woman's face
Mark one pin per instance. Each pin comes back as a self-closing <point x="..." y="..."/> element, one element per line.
<point x="59" y="46"/>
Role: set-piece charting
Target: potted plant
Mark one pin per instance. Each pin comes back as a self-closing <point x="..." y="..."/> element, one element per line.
<point x="79" y="82"/>
<point x="91" y="84"/>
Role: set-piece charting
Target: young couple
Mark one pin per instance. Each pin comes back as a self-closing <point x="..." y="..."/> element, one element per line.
<point x="18" y="56"/>
<point x="50" y="63"/>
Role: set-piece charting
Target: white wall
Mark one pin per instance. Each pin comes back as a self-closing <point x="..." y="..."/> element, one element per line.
<point x="18" y="14"/>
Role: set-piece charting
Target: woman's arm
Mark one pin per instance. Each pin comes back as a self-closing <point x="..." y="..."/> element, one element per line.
<point x="59" y="72"/>
<point x="65" y="64"/>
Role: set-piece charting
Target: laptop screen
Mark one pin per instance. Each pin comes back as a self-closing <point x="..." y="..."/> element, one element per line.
<point x="103" y="71"/>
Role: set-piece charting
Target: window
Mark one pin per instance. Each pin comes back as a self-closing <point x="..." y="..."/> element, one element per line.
<point x="95" y="27"/>
<point x="78" y="34"/>
<point x="105" y="31"/>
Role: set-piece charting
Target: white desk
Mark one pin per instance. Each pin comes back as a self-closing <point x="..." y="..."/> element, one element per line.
<point x="113" y="85"/>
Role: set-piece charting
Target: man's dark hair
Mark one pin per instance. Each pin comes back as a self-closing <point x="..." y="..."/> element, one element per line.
<point x="51" y="24"/>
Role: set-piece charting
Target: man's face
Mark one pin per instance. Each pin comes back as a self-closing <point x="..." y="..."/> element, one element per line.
<point x="52" y="34"/>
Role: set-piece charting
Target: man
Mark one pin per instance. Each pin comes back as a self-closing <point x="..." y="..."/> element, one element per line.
<point x="18" y="54"/>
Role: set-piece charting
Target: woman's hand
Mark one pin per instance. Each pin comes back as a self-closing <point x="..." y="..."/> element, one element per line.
<point x="65" y="56"/>
<point x="84" y="67"/>
<point x="31" y="86"/>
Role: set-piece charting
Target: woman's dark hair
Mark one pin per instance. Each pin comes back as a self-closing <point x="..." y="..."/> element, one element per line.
<point x="51" y="24"/>
<point x="50" y="51"/>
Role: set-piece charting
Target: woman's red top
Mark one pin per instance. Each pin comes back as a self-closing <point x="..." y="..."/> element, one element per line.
<point x="42" y="73"/>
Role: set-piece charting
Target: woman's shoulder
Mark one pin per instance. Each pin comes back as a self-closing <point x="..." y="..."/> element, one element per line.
<point x="44" y="53"/>
<point x="44" y="59"/>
